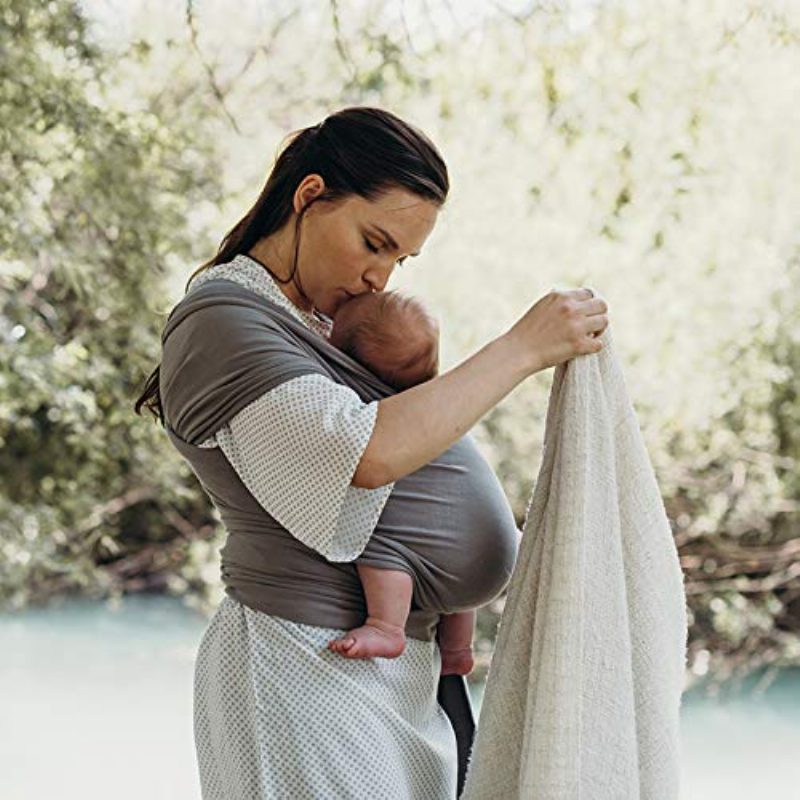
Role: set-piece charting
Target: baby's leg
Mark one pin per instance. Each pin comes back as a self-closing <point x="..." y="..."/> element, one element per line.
<point x="454" y="634"/>
<point x="388" y="593"/>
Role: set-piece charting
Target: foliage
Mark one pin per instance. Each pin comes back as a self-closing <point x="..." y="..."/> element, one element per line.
<point x="646" y="150"/>
<point x="94" y="202"/>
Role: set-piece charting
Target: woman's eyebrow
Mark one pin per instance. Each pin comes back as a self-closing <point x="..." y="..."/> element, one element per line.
<point x="390" y="239"/>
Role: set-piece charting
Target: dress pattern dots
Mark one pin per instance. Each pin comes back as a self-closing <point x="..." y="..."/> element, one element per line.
<point x="277" y="714"/>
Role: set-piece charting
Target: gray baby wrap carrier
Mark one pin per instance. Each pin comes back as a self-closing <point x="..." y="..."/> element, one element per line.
<point x="448" y="524"/>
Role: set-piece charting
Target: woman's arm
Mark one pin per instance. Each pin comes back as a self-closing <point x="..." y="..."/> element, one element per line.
<point x="416" y="425"/>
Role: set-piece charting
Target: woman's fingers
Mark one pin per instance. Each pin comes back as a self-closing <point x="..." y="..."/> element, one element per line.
<point x="595" y="305"/>
<point x="588" y="302"/>
<point x="596" y="323"/>
<point x="580" y="294"/>
<point x="595" y="311"/>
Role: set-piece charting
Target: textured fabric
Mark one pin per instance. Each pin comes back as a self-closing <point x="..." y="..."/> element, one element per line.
<point x="448" y="523"/>
<point x="206" y="334"/>
<point x="278" y="715"/>
<point x="331" y="516"/>
<point x="249" y="273"/>
<point x="583" y="693"/>
<point x="296" y="449"/>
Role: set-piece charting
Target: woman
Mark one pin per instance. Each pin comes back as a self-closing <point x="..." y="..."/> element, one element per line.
<point x="309" y="467"/>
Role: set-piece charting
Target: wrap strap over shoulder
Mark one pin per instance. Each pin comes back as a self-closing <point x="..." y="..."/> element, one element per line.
<point x="447" y="523"/>
<point x="223" y="346"/>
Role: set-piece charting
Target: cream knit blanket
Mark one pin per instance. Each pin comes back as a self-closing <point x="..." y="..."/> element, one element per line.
<point x="583" y="693"/>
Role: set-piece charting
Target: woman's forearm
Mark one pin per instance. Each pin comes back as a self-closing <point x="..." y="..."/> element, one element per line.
<point x="416" y="425"/>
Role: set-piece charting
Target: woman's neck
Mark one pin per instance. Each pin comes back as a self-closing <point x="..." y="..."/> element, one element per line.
<point x="258" y="254"/>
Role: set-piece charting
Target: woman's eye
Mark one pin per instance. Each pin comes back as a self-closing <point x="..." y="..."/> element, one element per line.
<point x="374" y="249"/>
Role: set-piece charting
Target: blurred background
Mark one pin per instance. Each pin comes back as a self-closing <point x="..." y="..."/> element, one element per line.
<point x="648" y="149"/>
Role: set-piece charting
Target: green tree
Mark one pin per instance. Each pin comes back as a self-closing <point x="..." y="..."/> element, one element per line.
<point x="94" y="199"/>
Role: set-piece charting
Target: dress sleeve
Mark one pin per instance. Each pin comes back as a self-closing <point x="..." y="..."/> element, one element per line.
<point x="296" y="449"/>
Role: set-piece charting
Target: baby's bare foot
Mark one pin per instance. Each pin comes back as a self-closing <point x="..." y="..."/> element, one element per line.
<point x="457" y="662"/>
<point x="374" y="638"/>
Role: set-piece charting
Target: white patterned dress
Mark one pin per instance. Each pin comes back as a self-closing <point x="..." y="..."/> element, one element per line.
<point x="277" y="714"/>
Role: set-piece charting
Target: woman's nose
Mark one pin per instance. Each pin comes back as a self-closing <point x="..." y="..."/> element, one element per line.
<point x="377" y="279"/>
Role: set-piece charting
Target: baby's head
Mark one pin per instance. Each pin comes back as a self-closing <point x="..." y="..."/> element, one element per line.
<point x="392" y="335"/>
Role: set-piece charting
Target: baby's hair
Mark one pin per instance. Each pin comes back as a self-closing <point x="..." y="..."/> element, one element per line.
<point x="388" y="325"/>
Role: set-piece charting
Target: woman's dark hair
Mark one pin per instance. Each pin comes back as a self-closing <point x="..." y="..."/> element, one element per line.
<point x="358" y="150"/>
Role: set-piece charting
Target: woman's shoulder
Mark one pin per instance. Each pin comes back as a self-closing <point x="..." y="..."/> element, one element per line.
<point x="231" y="271"/>
<point x="252" y="276"/>
<point x="218" y="357"/>
<point x="217" y="312"/>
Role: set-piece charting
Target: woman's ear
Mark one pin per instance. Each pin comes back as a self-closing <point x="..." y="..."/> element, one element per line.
<point x="310" y="187"/>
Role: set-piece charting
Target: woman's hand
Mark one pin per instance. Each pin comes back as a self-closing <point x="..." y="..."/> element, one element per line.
<point x="558" y="327"/>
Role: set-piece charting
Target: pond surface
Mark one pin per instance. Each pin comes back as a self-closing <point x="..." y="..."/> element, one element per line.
<point x="97" y="703"/>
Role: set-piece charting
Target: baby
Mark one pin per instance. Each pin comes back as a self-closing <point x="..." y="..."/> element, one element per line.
<point x="398" y="340"/>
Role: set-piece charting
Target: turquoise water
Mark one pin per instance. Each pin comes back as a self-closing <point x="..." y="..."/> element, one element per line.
<point x="97" y="703"/>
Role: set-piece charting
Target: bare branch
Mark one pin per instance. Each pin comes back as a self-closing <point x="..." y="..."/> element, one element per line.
<point x="215" y="88"/>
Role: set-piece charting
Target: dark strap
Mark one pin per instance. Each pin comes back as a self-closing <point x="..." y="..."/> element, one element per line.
<point x="453" y="697"/>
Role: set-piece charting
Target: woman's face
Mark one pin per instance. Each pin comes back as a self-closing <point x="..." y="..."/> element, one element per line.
<point x="335" y="259"/>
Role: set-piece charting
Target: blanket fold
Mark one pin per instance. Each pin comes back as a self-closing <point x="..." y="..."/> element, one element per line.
<point x="583" y="692"/>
